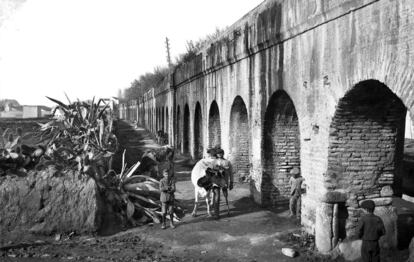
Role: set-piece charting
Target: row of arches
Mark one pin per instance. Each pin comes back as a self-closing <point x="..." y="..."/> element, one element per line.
<point x="365" y="144"/>
<point x="366" y="139"/>
<point x="238" y="139"/>
<point x="162" y="119"/>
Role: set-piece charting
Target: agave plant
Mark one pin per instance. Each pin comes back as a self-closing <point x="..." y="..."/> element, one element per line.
<point x="82" y="131"/>
<point x="138" y="194"/>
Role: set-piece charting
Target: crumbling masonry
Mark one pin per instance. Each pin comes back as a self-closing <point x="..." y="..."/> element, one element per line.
<point x="319" y="85"/>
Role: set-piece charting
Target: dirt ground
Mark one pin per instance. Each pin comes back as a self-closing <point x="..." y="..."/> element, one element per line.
<point x="249" y="233"/>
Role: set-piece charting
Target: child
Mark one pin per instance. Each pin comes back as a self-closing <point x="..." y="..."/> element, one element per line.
<point x="295" y="201"/>
<point x="167" y="188"/>
<point x="370" y="229"/>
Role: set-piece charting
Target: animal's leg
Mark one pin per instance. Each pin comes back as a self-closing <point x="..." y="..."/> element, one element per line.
<point x="195" y="203"/>
<point x="208" y="203"/>
<point x="226" y="194"/>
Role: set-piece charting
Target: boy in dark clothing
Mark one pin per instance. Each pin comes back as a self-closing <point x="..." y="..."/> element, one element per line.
<point x="370" y="229"/>
<point x="167" y="188"/>
<point x="295" y="201"/>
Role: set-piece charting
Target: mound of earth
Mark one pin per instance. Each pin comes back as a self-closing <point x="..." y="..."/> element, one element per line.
<point x="49" y="201"/>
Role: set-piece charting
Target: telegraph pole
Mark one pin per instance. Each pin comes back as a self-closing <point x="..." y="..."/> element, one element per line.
<point x="167" y="45"/>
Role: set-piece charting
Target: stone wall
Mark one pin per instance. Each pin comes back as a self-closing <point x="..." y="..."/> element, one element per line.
<point x="316" y="52"/>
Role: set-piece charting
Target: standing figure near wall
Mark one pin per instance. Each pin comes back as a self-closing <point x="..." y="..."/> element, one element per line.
<point x="295" y="202"/>
<point x="226" y="167"/>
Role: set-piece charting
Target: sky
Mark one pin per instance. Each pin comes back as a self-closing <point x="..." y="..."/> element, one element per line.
<point x="92" y="48"/>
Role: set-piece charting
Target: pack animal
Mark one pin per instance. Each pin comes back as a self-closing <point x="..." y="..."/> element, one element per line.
<point x="204" y="178"/>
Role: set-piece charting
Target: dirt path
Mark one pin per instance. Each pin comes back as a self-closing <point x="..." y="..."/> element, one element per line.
<point x="249" y="233"/>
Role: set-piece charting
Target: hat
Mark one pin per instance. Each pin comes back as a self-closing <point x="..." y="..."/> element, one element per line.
<point x="294" y="171"/>
<point x="368" y="205"/>
<point x="219" y="151"/>
<point x="212" y="151"/>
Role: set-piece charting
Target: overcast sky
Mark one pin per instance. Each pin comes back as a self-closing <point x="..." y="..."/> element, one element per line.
<point x="92" y="48"/>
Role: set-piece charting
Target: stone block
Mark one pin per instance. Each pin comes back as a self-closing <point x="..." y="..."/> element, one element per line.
<point x="386" y="191"/>
<point x="334" y="197"/>
<point x="350" y="250"/>
<point x="388" y="214"/>
<point x="323" y="227"/>
<point x="411" y="250"/>
<point x="380" y="201"/>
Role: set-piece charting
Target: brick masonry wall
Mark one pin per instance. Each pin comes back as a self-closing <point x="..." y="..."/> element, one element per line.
<point x="281" y="148"/>
<point x="179" y="128"/>
<point x="186" y="130"/>
<point x="239" y="139"/>
<point x="214" y="128"/>
<point x="198" y="133"/>
<point x="362" y="153"/>
<point x="271" y="48"/>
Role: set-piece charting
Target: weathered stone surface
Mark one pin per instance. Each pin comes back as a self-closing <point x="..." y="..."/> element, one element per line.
<point x="411" y="250"/>
<point x="386" y="191"/>
<point x="388" y="214"/>
<point x="350" y="250"/>
<point x="346" y="142"/>
<point x="334" y="197"/>
<point x="323" y="227"/>
<point x="49" y="201"/>
<point x="380" y="201"/>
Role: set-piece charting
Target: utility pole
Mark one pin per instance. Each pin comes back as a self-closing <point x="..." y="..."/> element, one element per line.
<point x="167" y="44"/>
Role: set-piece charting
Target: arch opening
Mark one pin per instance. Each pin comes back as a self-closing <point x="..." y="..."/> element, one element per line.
<point x="178" y="145"/>
<point x="186" y="129"/>
<point x="239" y="139"/>
<point x="366" y="148"/>
<point x="281" y="148"/>
<point x="198" y="132"/>
<point x="214" y="128"/>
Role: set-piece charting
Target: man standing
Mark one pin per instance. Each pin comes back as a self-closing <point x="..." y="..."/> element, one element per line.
<point x="295" y="201"/>
<point x="225" y="166"/>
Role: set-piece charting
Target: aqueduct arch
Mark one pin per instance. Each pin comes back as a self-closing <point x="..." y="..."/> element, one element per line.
<point x="162" y="119"/>
<point x="214" y="128"/>
<point x="281" y="148"/>
<point x="366" y="146"/>
<point x="167" y="123"/>
<point x="198" y="132"/>
<point x="178" y="131"/>
<point x="186" y="129"/>
<point x="239" y="138"/>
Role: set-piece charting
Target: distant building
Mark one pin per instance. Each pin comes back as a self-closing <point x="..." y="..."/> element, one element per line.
<point x="26" y="111"/>
<point x="12" y="111"/>
<point x="35" y="111"/>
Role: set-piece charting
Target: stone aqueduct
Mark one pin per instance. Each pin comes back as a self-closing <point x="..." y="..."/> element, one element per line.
<point x="322" y="85"/>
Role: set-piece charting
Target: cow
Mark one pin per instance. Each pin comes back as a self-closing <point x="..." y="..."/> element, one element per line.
<point x="205" y="178"/>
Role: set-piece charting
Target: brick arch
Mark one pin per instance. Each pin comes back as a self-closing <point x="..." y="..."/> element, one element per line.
<point x="157" y="119"/>
<point x="186" y="129"/>
<point x="214" y="127"/>
<point x="178" y="130"/>
<point x="281" y="148"/>
<point x="162" y="119"/>
<point x="198" y="132"/>
<point x="239" y="141"/>
<point x="167" y="123"/>
<point x="366" y="146"/>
